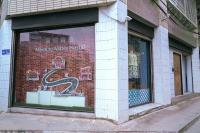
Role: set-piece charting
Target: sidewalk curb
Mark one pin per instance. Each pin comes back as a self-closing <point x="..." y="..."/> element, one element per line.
<point x="185" y="128"/>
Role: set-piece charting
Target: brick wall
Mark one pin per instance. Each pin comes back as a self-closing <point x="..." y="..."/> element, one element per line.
<point x="32" y="56"/>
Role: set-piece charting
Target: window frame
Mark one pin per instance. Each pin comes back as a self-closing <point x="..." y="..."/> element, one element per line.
<point x="16" y="39"/>
<point x="149" y="40"/>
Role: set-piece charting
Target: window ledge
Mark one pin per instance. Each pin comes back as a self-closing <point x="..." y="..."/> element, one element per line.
<point x="144" y="109"/>
<point x="52" y="112"/>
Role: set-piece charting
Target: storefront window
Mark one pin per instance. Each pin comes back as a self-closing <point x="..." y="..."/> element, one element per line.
<point x="139" y="71"/>
<point x="55" y="68"/>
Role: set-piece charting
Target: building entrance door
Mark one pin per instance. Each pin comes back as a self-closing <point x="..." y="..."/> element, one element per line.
<point x="177" y="74"/>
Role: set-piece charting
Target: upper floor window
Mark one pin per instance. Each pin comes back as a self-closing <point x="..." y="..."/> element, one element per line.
<point x="184" y="11"/>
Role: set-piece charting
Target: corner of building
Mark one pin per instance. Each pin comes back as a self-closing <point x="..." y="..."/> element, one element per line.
<point x="111" y="68"/>
<point x="5" y="56"/>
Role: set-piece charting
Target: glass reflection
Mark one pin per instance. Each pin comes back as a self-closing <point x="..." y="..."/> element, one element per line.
<point x="139" y="71"/>
<point x="55" y="68"/>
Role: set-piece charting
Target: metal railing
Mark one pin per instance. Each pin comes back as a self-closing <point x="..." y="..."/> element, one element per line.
<point x="187" y="8"/>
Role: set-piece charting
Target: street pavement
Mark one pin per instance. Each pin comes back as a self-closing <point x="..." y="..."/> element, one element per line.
<point x="168" y="120"/>
<point x="195" y="128"/>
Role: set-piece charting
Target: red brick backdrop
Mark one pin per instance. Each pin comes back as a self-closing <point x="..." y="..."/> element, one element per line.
<point x="36" y="51"/>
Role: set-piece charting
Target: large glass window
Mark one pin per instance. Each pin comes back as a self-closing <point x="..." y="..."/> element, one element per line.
<point x="139" y="71"/>
<point x="55" y="68"/>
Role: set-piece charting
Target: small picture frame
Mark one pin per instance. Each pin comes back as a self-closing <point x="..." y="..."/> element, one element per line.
<point x="85" y="73"/>
<point x="32" y="75"/>
<point x="58" y="63"/>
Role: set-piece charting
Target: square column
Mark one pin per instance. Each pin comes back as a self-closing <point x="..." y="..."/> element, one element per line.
<point x="5" y="44"/>
<point x="161" y="66"/>
<point x="196" y="70"/>
<point x="112" y="63"/>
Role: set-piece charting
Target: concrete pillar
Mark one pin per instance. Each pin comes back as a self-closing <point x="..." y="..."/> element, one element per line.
<point x="161" y="60"/>
<point x="196" y="70"/>
<point x="161" y="66"/>
<point x="112" y="63"/>
<point x="5" y="44"/>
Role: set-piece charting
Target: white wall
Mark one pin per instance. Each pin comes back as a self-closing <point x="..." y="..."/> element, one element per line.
<point x="196" y="70"/>
<point x="184" y="73"/>
<point x="171" y="60"/>
<point x="189" y="74"/>
<point x="187" y="71"/>
<point x="112" y="63"/>
<point x="5" y="43"/>
<point x="161" y="66"/>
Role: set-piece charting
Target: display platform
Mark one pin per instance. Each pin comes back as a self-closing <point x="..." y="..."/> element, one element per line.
<point x="50" y="98"/>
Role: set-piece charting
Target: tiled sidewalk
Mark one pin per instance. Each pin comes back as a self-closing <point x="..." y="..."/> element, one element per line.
<point x="171" y="119"/>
